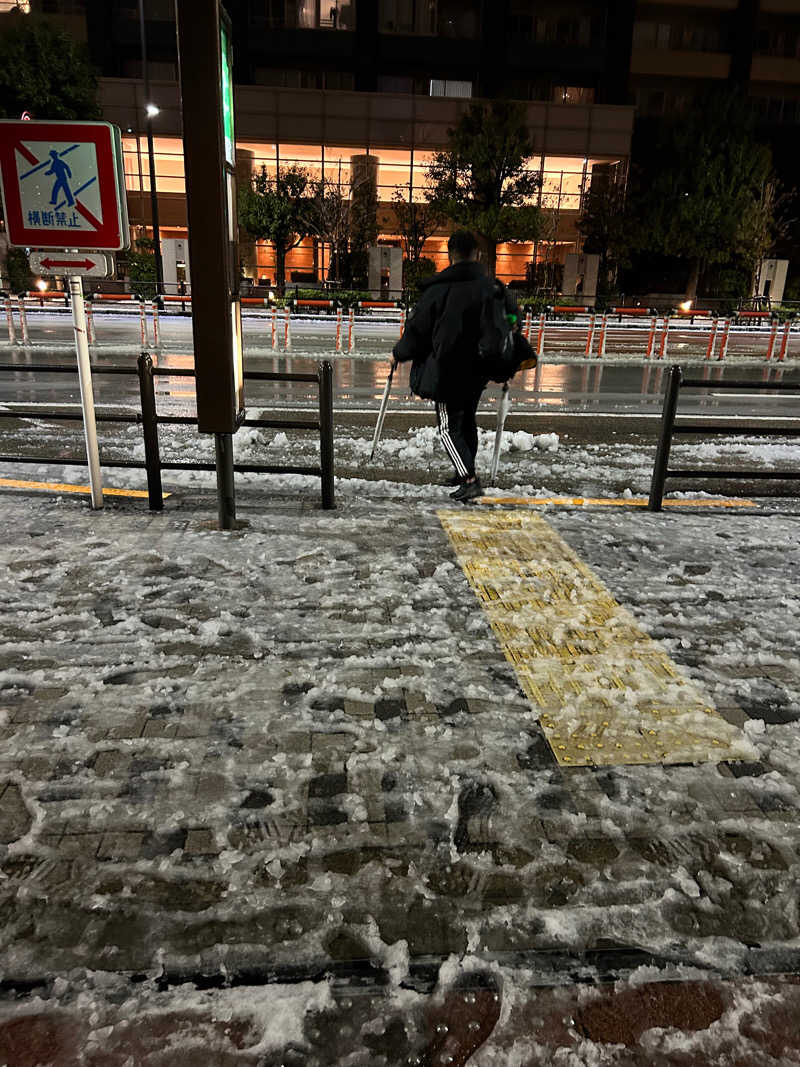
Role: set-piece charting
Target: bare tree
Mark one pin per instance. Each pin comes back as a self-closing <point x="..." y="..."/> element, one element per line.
<point x="330" y="221"/>
<point x="416" y="222"/>
<point x="766" y="220"/>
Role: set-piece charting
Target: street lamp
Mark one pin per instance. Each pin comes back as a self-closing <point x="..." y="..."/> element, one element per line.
<point x="151" y="111"/>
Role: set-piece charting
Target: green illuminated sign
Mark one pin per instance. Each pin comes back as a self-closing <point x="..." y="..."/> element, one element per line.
<point x="227" y="95"/>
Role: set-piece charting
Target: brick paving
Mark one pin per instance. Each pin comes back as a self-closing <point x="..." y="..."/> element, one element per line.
<point x="299" y="750"/>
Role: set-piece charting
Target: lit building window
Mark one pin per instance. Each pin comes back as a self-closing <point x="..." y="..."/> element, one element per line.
<point x="304" y="14"/>
<point x="440" y="87"/>
<point x="572" y="94"/>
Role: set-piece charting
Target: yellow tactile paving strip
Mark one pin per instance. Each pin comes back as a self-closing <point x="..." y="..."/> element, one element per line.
<point x="607" y="693"/>
<point x="609" y="502"/>
<point x="67" y="487"/>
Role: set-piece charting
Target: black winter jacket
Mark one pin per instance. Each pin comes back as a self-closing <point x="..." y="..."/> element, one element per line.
<point x="446" y="323"/>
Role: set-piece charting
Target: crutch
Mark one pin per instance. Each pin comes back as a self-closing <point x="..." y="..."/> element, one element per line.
<point x="503" y="409"/>
<point x="382" y="412"/>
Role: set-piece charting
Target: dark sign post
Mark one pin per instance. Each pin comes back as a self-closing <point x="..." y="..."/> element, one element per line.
<point x="204" y="48"/>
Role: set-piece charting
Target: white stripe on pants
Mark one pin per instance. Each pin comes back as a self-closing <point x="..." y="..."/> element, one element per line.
<point x="447" y="441"/>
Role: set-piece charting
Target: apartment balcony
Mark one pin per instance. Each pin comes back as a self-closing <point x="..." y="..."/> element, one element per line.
<point x="775" y="69"/>
<point x="674" y="63"/>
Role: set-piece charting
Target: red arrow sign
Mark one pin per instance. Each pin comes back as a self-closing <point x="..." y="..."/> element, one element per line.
<point x="87" y="263"/>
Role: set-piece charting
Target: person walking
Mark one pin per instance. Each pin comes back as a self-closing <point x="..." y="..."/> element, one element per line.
<point x="61" y="172"/>
<point x="441" y="340"/>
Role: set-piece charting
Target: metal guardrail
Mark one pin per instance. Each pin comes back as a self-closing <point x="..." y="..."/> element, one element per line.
<point x="150" y="421"/>
<point x="669" y="427"/>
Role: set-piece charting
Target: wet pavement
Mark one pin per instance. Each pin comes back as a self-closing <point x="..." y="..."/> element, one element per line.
<point x="277" y="794"/>
<point x="277" y="797"/>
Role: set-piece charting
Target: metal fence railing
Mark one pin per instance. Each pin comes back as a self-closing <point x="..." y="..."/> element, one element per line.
<point x="150" y="420"/>
<point x="669" y="427"/>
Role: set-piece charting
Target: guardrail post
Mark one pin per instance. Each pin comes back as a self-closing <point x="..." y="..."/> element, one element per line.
<point x="12" y="333"/>
<point x="23" y="320"/>
<point x="785" y="341"/>
<point x="287" y="336"/>
<point x="87" y="394"/>
<point x="402" y="321"/>
<point x="338" y="345"/>
<point x="152" y="459"/>
<point x="665" y="440"/>
<point x="274" y="329"/>
<point x="351" y="340"/>
<point x="326" y="432"/>
<point x="526" y="329"/>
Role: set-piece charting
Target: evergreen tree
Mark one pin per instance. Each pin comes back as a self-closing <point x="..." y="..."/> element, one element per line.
<point x="696" y="185"/>
<point x="278" y="209"/>
<point x="482" y="180"/>
<point x="45" y="72"/>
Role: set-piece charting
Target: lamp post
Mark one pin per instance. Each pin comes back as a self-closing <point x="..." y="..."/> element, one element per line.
<point x="151" y="111"/>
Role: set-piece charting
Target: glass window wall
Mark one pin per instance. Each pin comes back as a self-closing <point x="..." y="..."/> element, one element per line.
<point x="430" y="18"/>
<point x="564" y="180"/>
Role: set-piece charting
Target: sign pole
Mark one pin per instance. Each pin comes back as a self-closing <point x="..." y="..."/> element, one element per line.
<point x="87" y="396"/>
<point x="226" y="492"/>
<point x="209" y="148"/>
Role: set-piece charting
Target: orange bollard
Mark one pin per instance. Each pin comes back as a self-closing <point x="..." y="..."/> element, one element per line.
<point x="338" y="345"/>
<point x="23" y="320"/>
<point x="402" y="321"/>
<point x="601" y="344"/>
<point x="773" y="333"/>
<point x="712" y="339"/>
<point x="143" y="323"/>
<point x="540" y="336"/>
<point x="590" y="335"/>
<point x="287" y="336"/>
<point x="723" y="344"/>
<point x="156" y="327"/>
<point x="274" y="329"/>
<point x="12" y="333"/>
<point x="351" y="341"/>
<point x="662" y="348"/>
<point x="651" y="337"/>
<point x="90" y="334"/>
<point x="784" y="341"/>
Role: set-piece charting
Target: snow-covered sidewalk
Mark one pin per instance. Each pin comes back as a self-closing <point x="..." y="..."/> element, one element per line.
<point x="295" y="753"/>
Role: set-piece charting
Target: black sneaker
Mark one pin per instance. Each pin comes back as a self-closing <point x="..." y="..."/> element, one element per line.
<point x="454" y="481"/>
<point x="468" y="491"/>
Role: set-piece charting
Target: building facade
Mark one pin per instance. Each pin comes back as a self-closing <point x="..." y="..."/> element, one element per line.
<point x="322" y="82"/>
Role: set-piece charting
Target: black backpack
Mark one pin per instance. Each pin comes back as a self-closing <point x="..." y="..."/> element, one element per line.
<point x="500" y="348"/>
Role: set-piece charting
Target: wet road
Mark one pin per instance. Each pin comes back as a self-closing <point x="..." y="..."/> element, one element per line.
<point x="570" y="384"/>
<point x="359" y="383"/>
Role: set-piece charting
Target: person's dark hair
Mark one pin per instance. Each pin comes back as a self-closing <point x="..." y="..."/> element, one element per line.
<point x="461" y="245"/>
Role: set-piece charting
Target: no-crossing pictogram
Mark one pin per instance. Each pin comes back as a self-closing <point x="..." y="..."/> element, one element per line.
<point x="61" y="185"/>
